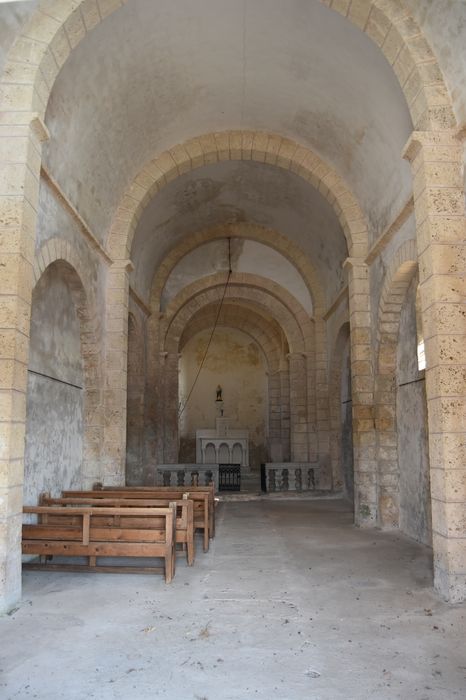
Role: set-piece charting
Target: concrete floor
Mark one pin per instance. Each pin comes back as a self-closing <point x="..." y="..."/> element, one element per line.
<point x="290" y="603"/>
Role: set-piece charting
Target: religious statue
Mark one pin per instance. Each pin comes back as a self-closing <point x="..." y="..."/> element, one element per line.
<point x="219" y="393"/>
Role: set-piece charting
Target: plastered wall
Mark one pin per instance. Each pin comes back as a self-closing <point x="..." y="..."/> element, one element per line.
<point x="54" y="428"/>
<point x="412" y="435"/>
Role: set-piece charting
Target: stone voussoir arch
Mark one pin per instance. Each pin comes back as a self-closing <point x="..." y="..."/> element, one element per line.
<point x="224" y="146"/>
<point x="247" y="231"/>
<point x="190" y="303"/>
<point x="58" y="251"/>
<point x="57" y="27"/>
<point x="399" y="276"/>
<point x="54" y="249"/>
<point x="276" y="296"/>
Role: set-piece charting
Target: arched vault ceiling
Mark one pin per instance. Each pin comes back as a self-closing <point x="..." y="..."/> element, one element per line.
<point x="240" y="191"/>
<point x="157" y="72"/>
<point x="244" y="256"/>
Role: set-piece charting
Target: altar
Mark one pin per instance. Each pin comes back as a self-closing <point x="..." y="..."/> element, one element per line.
<point x="222" y="444"/>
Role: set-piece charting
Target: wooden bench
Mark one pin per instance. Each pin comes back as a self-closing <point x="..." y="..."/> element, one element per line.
<point x="202" y="497"/>
<point x="210" y="490"/>
<point x="93" y="532"/>
<point x="184" y="512"/>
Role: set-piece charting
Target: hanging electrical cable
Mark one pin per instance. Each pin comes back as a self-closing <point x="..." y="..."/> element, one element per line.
<point x="182" y="408"/>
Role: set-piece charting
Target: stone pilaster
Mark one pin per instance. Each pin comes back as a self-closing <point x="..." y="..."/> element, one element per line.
<point x="170" y="408"/>
<point x="116" y="365"/>
<point x="298" y="407"/>
<point x="362" y="385"/>
<point x="20" y="157"/>
<point x="285" y="411"/>
<point x="439" y="201"/>
<point x="153" y="401"/>
<point x="275" y="448"/>
<point x="320" y="450"/>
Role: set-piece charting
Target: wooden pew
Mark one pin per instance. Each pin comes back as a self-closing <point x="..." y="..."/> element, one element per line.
<point x="184" y="512"/>
<point x="102" y="532"/>
<point x="210" y="489"/>
<point x="202" y="497"/>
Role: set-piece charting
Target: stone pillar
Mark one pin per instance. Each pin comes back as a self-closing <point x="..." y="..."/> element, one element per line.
<point x="298" y="407"/>
<point x="319" y="423"/>
<point x="284" y="378"/>
<point x="153" y="401"/>
<point x="362" y="385"/>
<point x="135" y="399"/>
<point x="170" y="408"/>
<point x="116" y="365"/>
<point x="385" y="423"/>
<point x="314" y="408"/>
<point x="20" y="158"/>
<point x="439" y="201"/>
<point x="274" y="428"/>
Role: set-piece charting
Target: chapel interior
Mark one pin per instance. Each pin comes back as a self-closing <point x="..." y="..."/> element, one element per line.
<point x="232" y="247"/>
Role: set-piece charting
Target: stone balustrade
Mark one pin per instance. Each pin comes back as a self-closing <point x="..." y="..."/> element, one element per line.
<point x="290" y="476"/>
<point x="187" y="475"/>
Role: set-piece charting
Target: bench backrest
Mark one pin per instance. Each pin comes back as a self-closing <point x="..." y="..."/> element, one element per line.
<point x="199" y="497"/>
<point x="184" y="506"/>
<point x="85" y="524"/>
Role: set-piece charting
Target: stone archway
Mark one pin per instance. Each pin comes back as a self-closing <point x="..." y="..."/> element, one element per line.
<point x="58" y="251"/>
<point x="249" y="231"/>
<point x="243" y="288"/>
<point x="283" y="153"/>
<point x="54" y="30"/>
<point x="236" y="145"/>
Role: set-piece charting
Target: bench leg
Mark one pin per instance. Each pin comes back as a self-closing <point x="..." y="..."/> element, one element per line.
<point x="212" y="519"/>
<point x="92" y="561"/>
<point x="190" y="551"/>
<point x="206" y="539"/>
<point x="170" y="564"/>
